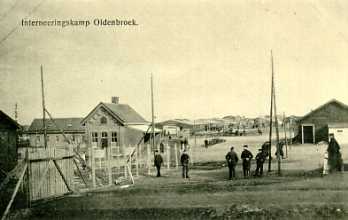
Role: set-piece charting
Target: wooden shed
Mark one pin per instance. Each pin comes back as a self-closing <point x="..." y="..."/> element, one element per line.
<point x="316" y="125"/>
<point x="8" y="142"/>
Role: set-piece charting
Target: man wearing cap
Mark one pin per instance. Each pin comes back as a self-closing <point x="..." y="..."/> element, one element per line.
<point x="158" y="162"/>
<point x="232" y="159"/>
<point x="260" y="159"/>
<point x="246" y="157"/>
<point x="184" y="159"/>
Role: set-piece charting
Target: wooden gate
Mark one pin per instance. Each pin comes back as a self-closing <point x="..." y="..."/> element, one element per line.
<point x="50" y="172"/>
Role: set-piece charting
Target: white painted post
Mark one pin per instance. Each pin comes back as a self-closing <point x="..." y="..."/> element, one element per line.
<point x="168" y="157"/>
<point x="93" y="166"/>
<point x="191" y="154"/>
<point x="109" y="165"/>
<point x="148" y="159"/>
<point x="136" y="160"/>
<point x="176" y="156"/>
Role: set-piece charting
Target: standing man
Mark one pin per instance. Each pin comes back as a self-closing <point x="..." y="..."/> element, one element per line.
<point x="260" y="159"/>
<point x="158" y="162"/>
<point x="246" y="157"/>
<point x="232" y="159"/>
<point x="185" y="158"/>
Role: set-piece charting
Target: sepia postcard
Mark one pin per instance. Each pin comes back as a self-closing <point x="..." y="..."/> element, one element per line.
<point x="187" y="109"/>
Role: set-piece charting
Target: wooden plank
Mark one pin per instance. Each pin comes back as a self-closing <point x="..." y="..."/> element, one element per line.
<point x="79" y="171"/>
<point x="51" y="158"/>
<point x="62" y="175"/>
<point x="43" y="177"/>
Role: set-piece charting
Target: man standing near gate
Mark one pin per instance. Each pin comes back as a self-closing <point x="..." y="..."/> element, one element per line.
<point x="246" y="157"/>
<point x="260" y="159"/>
<point x="158" y="162"/>
<point x="185" y="158"/>
<point x="232" y="159"/>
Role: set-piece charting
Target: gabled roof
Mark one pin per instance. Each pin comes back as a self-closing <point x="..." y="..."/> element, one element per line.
<point x="9" y="119"/>
<point x="332" y="101"/>
<point x="66" y="124"/>
<point x="121" y="112"/>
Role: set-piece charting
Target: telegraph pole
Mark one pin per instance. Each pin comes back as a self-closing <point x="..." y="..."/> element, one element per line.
<point x="153" y="115"/>
<point x="286" y="139"/>
<point x="276" y="123"/>
<point x="43" y="109"/>
<point x="271" y="120"/>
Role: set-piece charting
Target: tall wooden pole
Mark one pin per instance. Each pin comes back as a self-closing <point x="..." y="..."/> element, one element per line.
<point x="276" y="124"/>
<point x="153" y="115"/>
<point x="271" y="120"/>
<point x="286" y="139"/>
<point x="43" y="109"/>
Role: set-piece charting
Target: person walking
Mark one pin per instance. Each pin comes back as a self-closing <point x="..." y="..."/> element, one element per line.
<point x="246" y="157"/>
<point x="185" y="158"/>
<point x="260" y="159"/>
<point x="158" y="162"/>
<point x="232" y="160"/>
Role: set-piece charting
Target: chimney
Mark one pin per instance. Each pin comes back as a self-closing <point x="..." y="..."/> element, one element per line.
<point x="115" y="100"/>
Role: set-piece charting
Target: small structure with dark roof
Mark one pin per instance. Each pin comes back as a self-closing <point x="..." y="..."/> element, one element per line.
<point x="332" y="117"/>
<point x="8" y="142"/>
<point x="72" y="128"/>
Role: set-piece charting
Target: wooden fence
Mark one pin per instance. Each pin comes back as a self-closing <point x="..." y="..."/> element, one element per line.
<point x="50" y="172"/>
<point x="109" y="166"/>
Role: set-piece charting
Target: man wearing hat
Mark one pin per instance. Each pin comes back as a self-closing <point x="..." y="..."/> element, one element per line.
<point x="246" y="157"/>
<point x="232" y="159"/>
<point x="158" y="162"/>
<point x="260" y="159"/>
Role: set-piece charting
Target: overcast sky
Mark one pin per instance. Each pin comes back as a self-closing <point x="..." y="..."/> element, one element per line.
<point x="209" y="58"/>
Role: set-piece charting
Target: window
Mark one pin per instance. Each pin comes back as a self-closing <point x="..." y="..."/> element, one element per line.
<point x="94" y="137"/>
<point x="103" y="120"/>
<point x="37" y="138"/>
<point x="114" y="137"/>
<point x="57" y="138"/>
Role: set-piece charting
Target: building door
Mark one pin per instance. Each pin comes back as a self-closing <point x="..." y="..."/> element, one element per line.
<point x="104" y="140"/>
<point x="307" y="134"/>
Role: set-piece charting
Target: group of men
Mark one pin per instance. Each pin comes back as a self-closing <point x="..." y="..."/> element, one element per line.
<point x="184" y="160"/>
<point x="246" y="156"/>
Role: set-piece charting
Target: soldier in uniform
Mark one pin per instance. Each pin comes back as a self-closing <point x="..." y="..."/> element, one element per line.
<point x="246" y="157"/>
<point x="185" y="158"/>
<point x="260" y="159"/>
<point x="158" y="162"/>
<point x="232" y="159"/>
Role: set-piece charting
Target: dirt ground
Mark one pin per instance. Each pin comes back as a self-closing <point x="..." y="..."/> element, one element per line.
<point x="300" y="193"/>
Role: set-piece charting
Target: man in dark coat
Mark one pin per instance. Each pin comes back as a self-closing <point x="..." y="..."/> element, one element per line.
<point x="232" y="159"/>
<point x="260" y="159"/>
<point x="158" y="162"/>
<point x="185" y="158"/>
<point x="246" y="157"/>
<point x="334" y="155"/>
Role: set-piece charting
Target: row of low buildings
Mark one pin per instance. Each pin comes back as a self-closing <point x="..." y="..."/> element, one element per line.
<point x="107" y="125"/>
<point x="225" y="124"/>
<point x="119" y="125"/>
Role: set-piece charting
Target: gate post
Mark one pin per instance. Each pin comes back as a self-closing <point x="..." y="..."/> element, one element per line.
<point x="148" y="159"/>
<point x="168" y="157"/>
<point x="109" y="165"/>
<point x="93" y="166"/>
<point x="176" y="156"/>
<point x="136" y="160"/>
